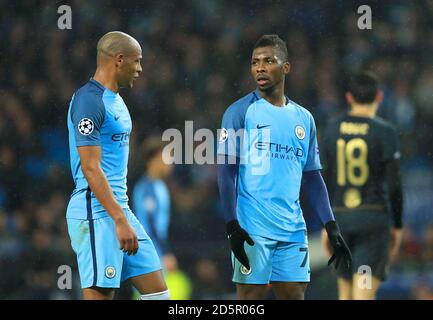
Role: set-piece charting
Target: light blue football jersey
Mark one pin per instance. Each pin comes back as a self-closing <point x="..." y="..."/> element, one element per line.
<point x="274" y="145"/>
<point x="98" y="116"/>
<point x="151" y="205"/>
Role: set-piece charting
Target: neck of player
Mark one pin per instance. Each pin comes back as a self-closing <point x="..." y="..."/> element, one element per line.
<point x="363" y="110"/>
<point x="275" y="95"/>
<point x="106" y="78"/>
<point x="153" y="172"/>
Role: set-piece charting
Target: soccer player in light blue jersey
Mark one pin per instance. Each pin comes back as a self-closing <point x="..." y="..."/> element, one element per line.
<point x="267" y="150"/>
<point x="151" y="200"/>
<point x="111" y="245"/>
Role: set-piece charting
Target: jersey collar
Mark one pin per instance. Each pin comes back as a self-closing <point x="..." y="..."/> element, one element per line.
<point x="258" y="95"/>
<point x="96" y="83"/>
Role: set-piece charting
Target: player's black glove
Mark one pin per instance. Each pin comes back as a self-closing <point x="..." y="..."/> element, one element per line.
<point x="237" y="237"/>
<point x="341" y="250"/>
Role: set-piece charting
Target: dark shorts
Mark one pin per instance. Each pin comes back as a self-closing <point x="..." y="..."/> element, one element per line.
<point x="367" y="234"/>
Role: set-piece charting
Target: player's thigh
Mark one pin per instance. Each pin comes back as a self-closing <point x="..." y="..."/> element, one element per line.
<point x="144" y="267"/>
<point x="251" y="291"/>
<point x="291" y="263"/>
<point x="98" y="253"/>
<point x="371" y="253"/>
<point x="344" y="289"/>
<point x="365" y="287"/>
<point x="289" y="290"/>
<point x="260" y="258"/>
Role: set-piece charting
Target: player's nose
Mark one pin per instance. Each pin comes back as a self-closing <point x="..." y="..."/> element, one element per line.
<point x="260" y="67"/>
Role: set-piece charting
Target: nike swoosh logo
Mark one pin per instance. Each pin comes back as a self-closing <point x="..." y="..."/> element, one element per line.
<point x="261" y="127"/>
<point x="116" y="118"/>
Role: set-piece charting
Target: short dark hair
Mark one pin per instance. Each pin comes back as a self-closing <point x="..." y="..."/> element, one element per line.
<point x="363" y="87"/>
<point x="274" y="41"/>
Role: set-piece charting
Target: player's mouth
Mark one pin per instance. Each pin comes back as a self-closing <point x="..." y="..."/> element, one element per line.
<point x="262" y="80"/>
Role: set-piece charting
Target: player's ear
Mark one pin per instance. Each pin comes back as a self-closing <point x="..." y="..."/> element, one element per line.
<point x="379" y="97"/>
<point x="286" y="67"/>
<point x="119" y="59"/>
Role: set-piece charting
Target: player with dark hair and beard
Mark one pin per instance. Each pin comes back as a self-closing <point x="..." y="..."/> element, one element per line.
<point x="360" y="154"/>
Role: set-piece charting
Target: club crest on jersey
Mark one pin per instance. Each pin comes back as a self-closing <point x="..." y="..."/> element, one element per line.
<point x="300" y="132"/>
<point x="223" y="135"/>
<point x="245" y="271"/>
<point x="149" y="204"/>
<point x="110" y="272"/>
<point x="85" y="126"/>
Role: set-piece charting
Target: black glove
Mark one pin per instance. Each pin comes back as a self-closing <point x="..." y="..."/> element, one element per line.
<point x="237" y="237"/>
<point x="341" y="250"/>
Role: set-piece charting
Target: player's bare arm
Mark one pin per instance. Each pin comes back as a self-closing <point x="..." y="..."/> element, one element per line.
<point x="90" y="157"/>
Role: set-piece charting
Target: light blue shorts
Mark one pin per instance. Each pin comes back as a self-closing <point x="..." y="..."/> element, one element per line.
<point x="101" y="263"/>
<point x="273" y="261"/>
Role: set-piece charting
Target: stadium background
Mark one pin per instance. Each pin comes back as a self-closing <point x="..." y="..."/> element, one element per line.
<point x="195" y="63"/>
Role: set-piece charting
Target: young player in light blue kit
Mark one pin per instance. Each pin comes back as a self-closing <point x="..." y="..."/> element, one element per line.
<point x="151" y="200"/>
<point x="267" y="148"/>
<point x="111" y="245"/>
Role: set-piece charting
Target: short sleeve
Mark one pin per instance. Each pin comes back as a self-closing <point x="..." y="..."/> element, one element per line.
<point x="231" y="132"/>
<point x="390" y="147"/>
<point x="325" y="139"/>
<point x="87" y="116"/>
<point x="313" y="158"/>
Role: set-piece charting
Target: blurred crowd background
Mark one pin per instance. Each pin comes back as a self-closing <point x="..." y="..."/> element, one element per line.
<point x="196" y="63"/>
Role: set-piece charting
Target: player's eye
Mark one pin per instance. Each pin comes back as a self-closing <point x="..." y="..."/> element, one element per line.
<point x="254" y="63"/>
<point x="270" y="61"/>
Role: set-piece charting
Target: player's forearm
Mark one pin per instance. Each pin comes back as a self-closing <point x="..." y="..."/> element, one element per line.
<point x="317" y="195"/>
<point x="99" y="185"/>
<point x="393" y="178"/>
<point x="227" y="174"/>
